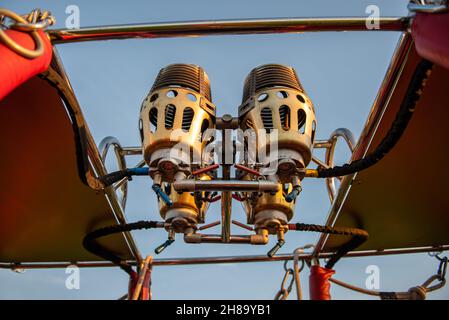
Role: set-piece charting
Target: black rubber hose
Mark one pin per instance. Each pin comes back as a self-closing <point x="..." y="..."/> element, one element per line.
<point x="90" y="241"/>
<point x="359" y="236"/>
<point x="116" y="176"/>
<point x="414" y="92"/>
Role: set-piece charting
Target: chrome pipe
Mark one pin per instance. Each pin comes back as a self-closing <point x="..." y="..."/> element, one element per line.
<point x="216" y="238"/>
<point x="223" y="27"/>
<point x="226" y="197"/>
<point x="191" y="185"/>
<point x="131" y="151"/>
<point x="321" y="144"/>
<point x="210" y="225"/>
<point x="226" y="211"/>
<point x="347" y="135"/>
<point x="427" y="8"/>
<point x="103" y="149"/>
<point x="319" y="162"/>
<point x="226" y="259"/>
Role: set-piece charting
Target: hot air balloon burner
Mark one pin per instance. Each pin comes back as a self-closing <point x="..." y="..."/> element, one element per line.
<point x="173" y="119"/>
<point x="281" y="116"/>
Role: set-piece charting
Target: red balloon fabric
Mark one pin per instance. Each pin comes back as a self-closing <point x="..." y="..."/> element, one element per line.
<point x="15" y="69"/>
<point x="430" y="32"/>
<point x="319" y="285"/>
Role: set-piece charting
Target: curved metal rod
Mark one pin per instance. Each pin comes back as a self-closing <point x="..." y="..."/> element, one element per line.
<point x="347" y="135"/>
<point x="104" y="147"/>
<point x="330" y="145"/>
<point x="428" y="8"/>
<point x="224" y="27"/>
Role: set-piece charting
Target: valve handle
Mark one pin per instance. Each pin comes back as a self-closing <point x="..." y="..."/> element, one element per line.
<point x="162" y="247"/>
<point x="293" y="194"/>
<point x="276" y="248"/>
<point x="158" y="190"/>
<point x="116" y="176"/>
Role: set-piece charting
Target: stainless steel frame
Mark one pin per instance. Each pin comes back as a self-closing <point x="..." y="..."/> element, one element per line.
<point x="224" y="259"/>
<point x="261" y="26"/>
<point x="224" y="27"/>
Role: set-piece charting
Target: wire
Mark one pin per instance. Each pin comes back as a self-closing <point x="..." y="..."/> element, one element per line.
<point x="400" y="123"/>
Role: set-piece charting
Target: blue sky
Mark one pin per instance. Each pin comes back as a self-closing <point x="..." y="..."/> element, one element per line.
<point x="340" y="71"/>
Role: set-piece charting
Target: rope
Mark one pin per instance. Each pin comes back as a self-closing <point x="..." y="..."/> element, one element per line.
<point x="90" y="242"/>
<point x="400" y="123"/>
<point x="144" y="280"/>
<point x="359" y="236"/>
<point x="414" y="293"/>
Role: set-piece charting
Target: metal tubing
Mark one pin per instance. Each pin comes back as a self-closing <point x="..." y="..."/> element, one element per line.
<point x="226" y="207"/>
<point x="427" y="8"/>
<point x="227" y="149"/>
<point x="216" y="238"/>
<point x="249" y="170"/>
<point x="207" y="169"/>
<point x="347" y="135"/>
<point x="142" y="275"/>
<point x="131" y="151"/>
<point x="242" y="225"/>
<point x="192" y="185"/>
<point x="225" y="259"/>
<point x="223" y="27"/>
<point x="103" y="149"/>
<point x="210" y="225"/>
<point x="321" y="144"/>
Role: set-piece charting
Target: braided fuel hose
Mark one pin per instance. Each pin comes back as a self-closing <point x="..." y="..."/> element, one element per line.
<point x="400" y="123"/>
<point x="359" y="236"/>
<point x="90" y="241"/>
